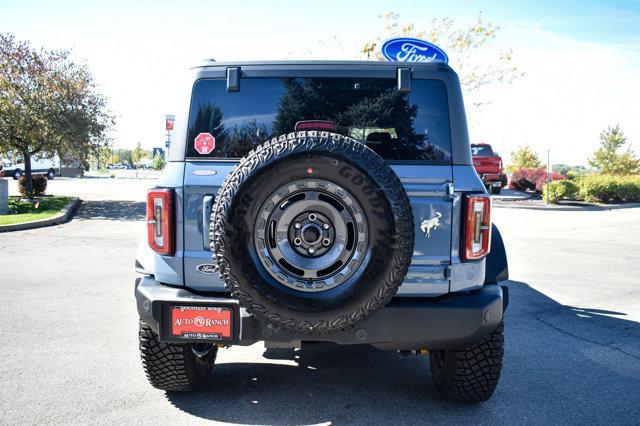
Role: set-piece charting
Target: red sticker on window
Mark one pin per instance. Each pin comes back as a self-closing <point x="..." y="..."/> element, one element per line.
<point x="204" y="143"/>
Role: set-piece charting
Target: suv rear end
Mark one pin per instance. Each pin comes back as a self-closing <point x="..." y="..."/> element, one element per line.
<point x="401" y="128"/>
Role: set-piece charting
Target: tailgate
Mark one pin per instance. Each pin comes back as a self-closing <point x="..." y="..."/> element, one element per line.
<point x="432" y="214"/>
<point x="427" y="187"/>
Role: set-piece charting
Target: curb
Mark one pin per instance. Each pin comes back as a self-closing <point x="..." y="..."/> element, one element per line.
<point x="560" y="208"/>
<point x="61" y="217"/>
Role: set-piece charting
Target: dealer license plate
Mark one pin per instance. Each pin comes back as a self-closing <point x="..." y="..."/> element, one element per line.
<point x="201" y="322"/>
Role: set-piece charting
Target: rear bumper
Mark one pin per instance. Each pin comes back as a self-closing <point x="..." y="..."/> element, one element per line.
<point x="451" y="321"/>
<point x="491" y="178"/>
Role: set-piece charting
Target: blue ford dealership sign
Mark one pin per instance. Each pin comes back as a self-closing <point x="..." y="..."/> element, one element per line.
<point x="404" y="49"/>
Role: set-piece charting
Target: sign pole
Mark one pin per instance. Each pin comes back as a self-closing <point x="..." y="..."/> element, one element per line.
<point x="169" y="121"/>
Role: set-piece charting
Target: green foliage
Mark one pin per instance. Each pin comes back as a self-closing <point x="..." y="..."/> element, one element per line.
<point x="559" y="190"/>
<point x="38" y="184"/>
<point x="609" y="188"/>
<point x="607" y="159"/>
<point x="567" y="170"/>
<point x="137" y="154"/>
<point x="50" y="105"/>
<point x="576" y="173"/>
<point x="524" y="158"/>
<point x="468" y="48"/>
<point x="26" y="211"/>
<point x="158" y="162"/>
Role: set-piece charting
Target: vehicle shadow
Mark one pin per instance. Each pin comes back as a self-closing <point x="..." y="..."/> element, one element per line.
<point x="111" y="210"/>
<point x="562" y="364"/>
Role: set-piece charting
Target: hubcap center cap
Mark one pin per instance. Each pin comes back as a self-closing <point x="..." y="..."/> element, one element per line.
<point x="311" y="233"/>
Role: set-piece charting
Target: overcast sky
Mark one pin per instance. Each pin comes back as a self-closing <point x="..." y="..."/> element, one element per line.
<point x="581" y="58"/>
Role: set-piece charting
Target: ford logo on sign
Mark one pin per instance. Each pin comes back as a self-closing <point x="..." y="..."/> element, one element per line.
<point x="406" y="49"/>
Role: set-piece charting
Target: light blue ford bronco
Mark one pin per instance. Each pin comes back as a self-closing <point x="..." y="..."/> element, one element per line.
<point x="322" y="201"/>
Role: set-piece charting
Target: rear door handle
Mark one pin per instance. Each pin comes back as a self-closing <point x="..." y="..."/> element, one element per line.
<point x="207" y="204"/>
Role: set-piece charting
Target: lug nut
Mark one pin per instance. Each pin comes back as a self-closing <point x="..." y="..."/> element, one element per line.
<point x="298" y="225"/>
<point x="326" y="225"/>
<point x="297" y="241"/>
<point x="326" y="242"/>
<point x="311" y="250"/>
<point x="312" y="217"/>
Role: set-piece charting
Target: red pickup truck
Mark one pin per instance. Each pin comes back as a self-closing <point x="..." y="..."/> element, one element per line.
<point x="488" y="165"/>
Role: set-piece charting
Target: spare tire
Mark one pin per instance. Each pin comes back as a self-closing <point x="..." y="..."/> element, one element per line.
<point x="312" y="232"/>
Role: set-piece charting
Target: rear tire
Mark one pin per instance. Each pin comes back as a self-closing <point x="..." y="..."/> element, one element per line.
<point x="496" y="190"/>
<point x="174" y="367"/>
<point x="17" y="174"/>
<point x="470" y="374"/>
<point x="51" y="174"/>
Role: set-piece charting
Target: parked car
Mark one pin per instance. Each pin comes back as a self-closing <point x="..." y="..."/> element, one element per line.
<point x="287" y="228"/>
<point x="45" y="167"/>
<point x="488" y="165"/>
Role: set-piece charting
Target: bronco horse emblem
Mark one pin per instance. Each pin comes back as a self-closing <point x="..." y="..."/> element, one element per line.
<point x="428" y="224"/>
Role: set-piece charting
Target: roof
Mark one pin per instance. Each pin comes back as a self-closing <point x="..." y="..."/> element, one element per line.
<point x="433" y="65"/>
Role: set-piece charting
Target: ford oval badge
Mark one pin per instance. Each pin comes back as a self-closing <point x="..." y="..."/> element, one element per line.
<point x="404" y="49"/>
<point x="207" y="268"/>
<point x="203" y="172"/>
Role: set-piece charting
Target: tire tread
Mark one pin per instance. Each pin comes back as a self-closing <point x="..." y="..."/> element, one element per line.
<point x="470" y="374"/>
<point x="172" y="367"/>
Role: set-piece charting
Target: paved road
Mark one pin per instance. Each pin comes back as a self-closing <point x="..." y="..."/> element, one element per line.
<point x="68" y="346"/>
<point x="95" y="188"/>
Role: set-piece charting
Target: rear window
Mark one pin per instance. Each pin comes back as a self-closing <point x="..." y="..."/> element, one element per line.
<point x="398" y="126"/>
<point x="481" y="150"/>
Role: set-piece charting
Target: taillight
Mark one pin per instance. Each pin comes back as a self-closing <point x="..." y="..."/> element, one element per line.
<point x="160" y="221"/>
<point x="477" y="235"/>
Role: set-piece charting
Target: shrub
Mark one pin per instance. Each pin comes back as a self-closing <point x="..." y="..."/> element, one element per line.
<point x="524" y="179"/>
<point x="158" y="162"/>
<point x="39" y="183"/>
<point x="608" y="188"/>
<point x="542" y="180"/>
<point x="560" y="189"/>
<point x="532" y="179"/>
<point x="575" y="174"/>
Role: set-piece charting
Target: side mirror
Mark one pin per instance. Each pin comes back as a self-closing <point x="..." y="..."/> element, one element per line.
<point x="496" y="154"/>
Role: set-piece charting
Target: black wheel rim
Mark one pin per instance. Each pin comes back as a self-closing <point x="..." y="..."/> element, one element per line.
<point x="311" y="235"/>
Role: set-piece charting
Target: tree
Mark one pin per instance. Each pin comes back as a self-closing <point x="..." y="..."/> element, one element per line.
<point x="524" y="158"/>
<point x="375" y="106"/>
<point x="476" y="65"/>
<point x="137" y="154"/>
<point x="565" y="169"/>
<point x="608" y="160"/>
<point x="50" y="105"/>
<point x="158" y="162"/>
<point x="124" y="155"/>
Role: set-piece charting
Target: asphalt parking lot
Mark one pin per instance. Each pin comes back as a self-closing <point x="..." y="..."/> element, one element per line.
<point x="68" y="341"/>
